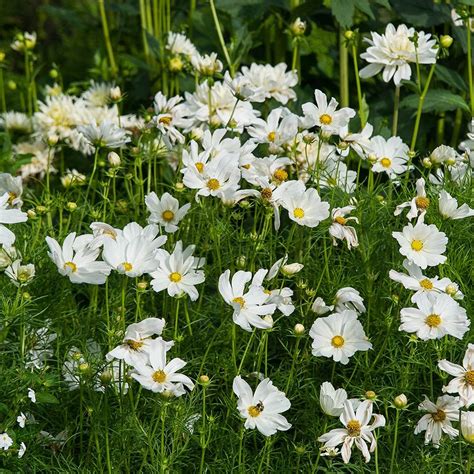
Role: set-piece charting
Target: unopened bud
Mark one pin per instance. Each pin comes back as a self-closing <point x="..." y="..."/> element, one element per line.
<point x="400" y="401"/>
<point x="11" y="85"/>
<point x="370" y="395"/>
<point x="298" y="27"/>
<point x="53" y="73"/>
<point x="84" y="367"/>
<point x="427" y="163"/>
<point x="113" y="159"/>
<point x="175" y="64"/>
<point x="348" y="34"/>
<point x="115" y="93"/>
<point x="204" y="380"/>
<point x="446" y="41"/>
<point x="142" y="285"/>
<point x="299" y="329"/>
<point x="71" y="206"/>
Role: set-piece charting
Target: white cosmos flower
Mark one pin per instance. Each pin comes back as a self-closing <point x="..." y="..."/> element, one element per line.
<point x="102" y="231"/>
<point x="417" y="281"/>
<point x="136" y="341"/>
<point x="288" y="269"/>
<point x="178" y="272"/>
<point x="19" y="274"/>
<point x="319" y="306"/>
<point x="448" y="207"/>
<point x="165" y="211"/>
<point x="132" y="251"/>
<point x="269" y="169"/>
<point x="422" y="244"/>
<point x="463" y="382"/>
<point x="325" y="115"/>
<point x="437" y="315"/>
<point x="304" y="207"/>
<point x="105" y="135"/>
<point x="77" y="261"/>
<point x="339" y="230"/>
<point x="418" y="205"/>
<point x="32" y="395"/>
<point x="332" y="400"/>
<point x="169" y="115"/>
<point x="356" y="430"/>
<point x="438" y="419"/>
<point x="262" y="409"/>
<point x="359" y="142"/>
<point x="22" y="450"/>
<point x="194" y="160"/>
<point x="393" y="52"/>
<point x="339" y="336"/>
<point x="9" y="216"/>
<point x="13" y="185"/>
<point x="250" y="306"/>
<point x="21" y="420"/>
<point x="158" y="375"/>
<point x="207" y="64"/>
<point x="389" y="156"/>
<point x="279" y="127"/>
<point x="337" y="175"/>
<point x="5" y="441"/>
<point x="178" y="43"/>
<point x="243" y="89"/>
<point x="349" y="298"/>
<point x="467" y="425"/>
<point x="15" y="122"/>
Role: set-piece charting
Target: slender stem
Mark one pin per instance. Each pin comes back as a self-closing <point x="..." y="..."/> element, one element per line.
<point x="108" y="44"/>
<point x="395" y="439"/>
<point x="221" y="38"/>
<point x="296" y="57"/>
<point x="2" y="92"/>
<point x="176" y="319"/>
<point x="396" y="104"/>
<point x="163" y="419"/>
<point x="469" y="66"/>
<point x="343" y="70"/>
<point x="361" y="112"/>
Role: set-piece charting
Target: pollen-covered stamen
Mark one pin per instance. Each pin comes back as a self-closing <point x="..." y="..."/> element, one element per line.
<point x="341" y="220"/>
<point x="110" y="233"/>
<point x="239" y="300"/>
<point x="337" y="341"/>
<point x="134" y="345"/>
<point x="422" y="202"/>
<point x="71" y="265"/>
<point x="11" y="197"/>
<point x="353" y="428"/>
<point x="213" y="184"/>
<point x="266" y="193"/>
<point x="427" y="284"/>
<point x="417" y="245"/>
<point x="386" y="162"/>
<point x="280" y="175"/>
<point x="440" y="415"/>
<point x="199" y="166"/>
<point x="127" y="266"/>
<point x="175" y="277"/>
<point x="271" y="136"/>
<point x="165" y="120"/>
<point x="167" y="215"/>
<point x="469" y="377"/>
<point x="325" y="119"/>
<point x="255" y="410"/>
<point x="433" y="320"/>
<point x="298" y="213"/>
<point x="159" y="376"/>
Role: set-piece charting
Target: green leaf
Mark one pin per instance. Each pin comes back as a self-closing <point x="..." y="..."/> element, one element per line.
<point x="364" y="7"/>
<point x="45" y="397"/>
<point x="450" y="77"/>
<point x="436" y="100"/>
<point x="422" y="12"/>
<point x="343" y="10"/>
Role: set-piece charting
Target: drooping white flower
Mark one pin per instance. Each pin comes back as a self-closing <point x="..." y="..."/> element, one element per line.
<point x="339" y="336"/>
<point x="21" y="420"/>
<point x="262" y="409"/>
<point x="78" y="262"/>
<point x="165" y="211"/>
<point x="349" y="298"/>
<point x="448" y="207"/>
<point x="326" y="116"/>
<point x="179" y="43"/>
<point x="19" y="274"/>
<point x="136" y="341"/>
<point x="332" y="400"/>
<point x="356" y="430"/>
<point x="467" y="426"/>
<point x="339" y="230"/>
<point x="158" y="375"/>
<point x="32" y="395"/>
<point x="422" y="244"/>
<point x="437" y="315"/>
<point x="21" y="450"/>
<point x="105" y="135"/>
<point x="24" y="41"/>
<point x="463" y="382"/>
<point x="9" y="216"/>
<point x="178" y="272"/>
<point x="438" y="419"/>
<point x="394" y="50"/>
<point x="279" y="127"/>
<point x="5" y="441"/>
<point x="12" y="185"/>
<point x="319" y="306"/>
<point x="418" y="205"/>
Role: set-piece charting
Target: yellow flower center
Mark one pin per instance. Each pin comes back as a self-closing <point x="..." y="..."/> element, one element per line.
<point x="159" y="376"/>
<point x="440" y="415"/>
<point x="175" y="277"/>
<point x="280" y="175"/>
<point x="127" y="266"/>
<point x="134" y="345"/>
<point x="266" y="193"/>
<point x="112" y="234"/>
<point x="70" y="265"/>
<point x="337" y="341"/>
<point x="433" y="320"/>
<point x="167" y="216"/>
<point x="271" y="136"/>
<point x="386" y="162"/>
<point x="199" y="166"/>
<point x="353" y="427"/>
<point x="325" y="119"/>
<point x="166" y="120"/>
<point x="422" y="202"/>
<point x="11" y="197"/>
<point x="426" y="284"/>
<point x="340" y="220"/>
<point x="239" y="300"/>
<point x="255" y="410"/>
<point x="213" y="184"/>
<point x="247" y="166"/>
<point x="298" y="213"/>
<point x="469" y="377"/>
<point x="417" y="245"/>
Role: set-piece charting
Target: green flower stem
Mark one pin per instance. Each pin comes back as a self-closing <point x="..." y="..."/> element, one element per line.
<point x="3" y="101"/>
<point x="108" y="44"/>
<point x="395" y="439"/>
<point x="469" y="67"/>
<point x="362" y="117"/>
<point x="221" y="38"/>
<point x="343" y="70"/>
<point x="396" y="104"/>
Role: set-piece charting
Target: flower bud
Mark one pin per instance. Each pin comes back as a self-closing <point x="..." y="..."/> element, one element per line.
<point x="53" y="73"/>
<point x="2" y="56"/>
<point x="115" y="93"/>
<point x="291" y="268"/>
<point x="113" y="159"/>
<point x="348" y="34"/>
<point x="298" y="329"/>
<point x="372" y="157"/>
<point x="427" y="163"/>
<point x="241" y="261"/>
<point x="53" y="140"/>
<point x="142" y="285"/>
<point x="106" y="377"/>
<point x="268" y="319"/>
<point x="400" y="401"/>
<point x="41" y="209"/>
<point x="204" y="380"/>
<point x="84" y="367"/>
<point x="71" y="206"/>
<point x="446" y="41"/>
<point x="25" y="295"/>
<point x="298" y="27"/>
<point x="11" y="85"/>
<point x="175" y="64"/>
<point x="179" y="186"/>
<point x="370" y="395"/>
<point x="467" y="426"/>
<point x="31" y="214"/>
<point x="411" y="154"/>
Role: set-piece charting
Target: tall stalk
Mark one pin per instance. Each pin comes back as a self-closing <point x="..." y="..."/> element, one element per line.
<point x="108" y="44"/>
<point x="343" y="70"/>
<point x="221" y="38"/>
